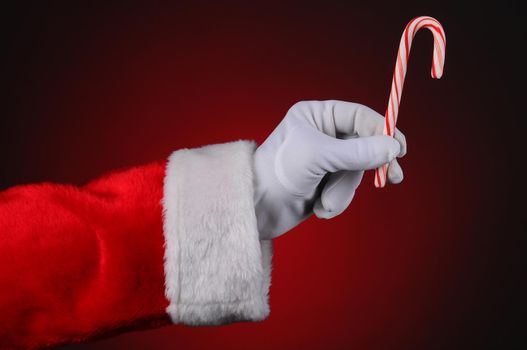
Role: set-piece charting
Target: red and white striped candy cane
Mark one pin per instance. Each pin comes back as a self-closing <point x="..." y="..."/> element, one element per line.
<point x="438" y="61"/>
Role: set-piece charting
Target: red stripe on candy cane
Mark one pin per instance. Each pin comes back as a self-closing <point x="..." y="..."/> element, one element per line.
<point x="401" y="64"/>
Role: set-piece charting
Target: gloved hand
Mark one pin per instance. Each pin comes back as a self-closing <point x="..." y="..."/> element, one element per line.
<point x="314" y="161"/>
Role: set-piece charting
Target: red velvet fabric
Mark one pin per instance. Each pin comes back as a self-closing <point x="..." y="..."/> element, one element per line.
<point x="77" y="262"/>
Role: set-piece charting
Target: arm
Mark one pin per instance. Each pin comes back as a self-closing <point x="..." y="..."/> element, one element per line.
<point x="170" y="241"/>
<point x="187" y="240"/>
<point x="77" y="262"/>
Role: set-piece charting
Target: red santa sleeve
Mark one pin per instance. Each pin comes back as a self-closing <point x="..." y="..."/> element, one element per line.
<point x="172" y="241"/>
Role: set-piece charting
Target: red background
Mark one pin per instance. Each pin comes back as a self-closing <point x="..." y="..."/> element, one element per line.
<point x="433" y="263"/>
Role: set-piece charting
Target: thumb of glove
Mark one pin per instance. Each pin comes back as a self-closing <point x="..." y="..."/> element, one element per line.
<point x="354" y="155"/>
<point x="339" y="190"/>
<point x="337" y="194"/>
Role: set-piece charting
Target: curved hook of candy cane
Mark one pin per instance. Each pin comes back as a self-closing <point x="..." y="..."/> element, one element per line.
<point x="430" y="23"/>
<point x="438" y="62"/>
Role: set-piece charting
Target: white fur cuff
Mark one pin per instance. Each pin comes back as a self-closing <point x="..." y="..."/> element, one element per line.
<point x="216" y="269"/>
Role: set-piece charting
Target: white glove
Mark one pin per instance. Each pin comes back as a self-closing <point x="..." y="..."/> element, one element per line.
<point x="314" y="139"/>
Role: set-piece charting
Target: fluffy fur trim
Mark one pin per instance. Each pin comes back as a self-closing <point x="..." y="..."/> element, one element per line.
<point x="216" y="269"/>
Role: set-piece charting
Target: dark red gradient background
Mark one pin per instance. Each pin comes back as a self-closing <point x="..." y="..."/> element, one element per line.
<point x="431" y="264"/>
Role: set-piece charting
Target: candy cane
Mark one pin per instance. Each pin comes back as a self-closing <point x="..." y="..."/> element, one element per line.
<point x="438" y="61"/>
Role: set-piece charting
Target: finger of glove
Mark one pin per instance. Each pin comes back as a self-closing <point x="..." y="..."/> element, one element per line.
<point x="354" y="119"/>
<point x="395" y="172"/>
<point x="362" y="153"/>
<point x="343" y="120"/>
<point x="337" y="194"/>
